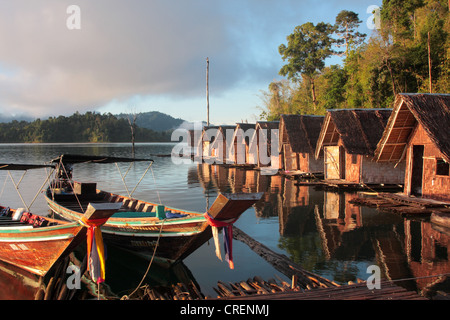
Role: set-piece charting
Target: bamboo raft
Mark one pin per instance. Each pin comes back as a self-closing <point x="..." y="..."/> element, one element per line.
<point x="402" y="204"/>
<point x="259" y="289"/>
<point x="339" y="184"/>
<point x="359" y="291"/>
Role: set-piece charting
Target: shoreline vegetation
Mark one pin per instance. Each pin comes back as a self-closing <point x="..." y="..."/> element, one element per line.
<point x="408" y="52"/>
<point x="90" y="127"/>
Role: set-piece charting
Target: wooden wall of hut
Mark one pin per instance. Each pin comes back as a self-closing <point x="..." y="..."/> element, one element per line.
<point x="348" y="139"/>
<point x="297" y="142"/>
<point x="417" y="131"/>
<point x="424" y="178"/>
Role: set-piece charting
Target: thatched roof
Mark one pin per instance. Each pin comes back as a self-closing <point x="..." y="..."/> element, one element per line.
<point x="359" y="129"/>
<point x="300" y="131"/>
<point x="432" y="111"/>
<point x="224" y="133"/>
<point x="244" y="127"/>
<point x="268" y="126"/>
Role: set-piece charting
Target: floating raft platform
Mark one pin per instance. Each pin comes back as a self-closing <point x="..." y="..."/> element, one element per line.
<point x="344" y="185"/>
<point x="403" y="204"/>
<point x="359" y="291"/>
<point x="297" y="174"/>
<point x="258" y="289"/>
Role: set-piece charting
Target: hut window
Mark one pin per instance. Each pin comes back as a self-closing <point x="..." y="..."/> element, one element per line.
<point x="354" y="158"/>
<point x="442" y="167"/>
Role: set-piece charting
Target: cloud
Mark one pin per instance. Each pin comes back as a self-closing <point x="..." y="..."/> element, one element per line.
<point x="135" y="48"/>
<point x="123" y="48"/>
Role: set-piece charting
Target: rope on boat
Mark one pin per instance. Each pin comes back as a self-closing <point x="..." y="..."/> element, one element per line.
<point x="137" y="184"/>
<point x="71" y="185"/>
<point x="16" y="185"/>
<point x="42" y="187"/>
<point x="123" y="177"/>
<point x="151" y="261"/>
<point x="154" y="180"/>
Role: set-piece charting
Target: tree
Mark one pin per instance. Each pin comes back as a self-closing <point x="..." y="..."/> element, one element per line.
<point x="278" y="100"/>
<point x="346" y="24"/>
<point x="308" y="47"/>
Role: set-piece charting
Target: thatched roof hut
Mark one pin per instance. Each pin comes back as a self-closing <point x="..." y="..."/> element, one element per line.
<point x="261" y="141"/>
<point x="207" y="137"/>
<point x="359" y="129"/>
<point x="348" y="140"/>
<point x="431" y="111"/>
<point x="298" y="138"/>
<point x="300" y="132"/>
<point x="240" y="141"/>
<point x="418" y="134"/>
<point x="219" y="147"/>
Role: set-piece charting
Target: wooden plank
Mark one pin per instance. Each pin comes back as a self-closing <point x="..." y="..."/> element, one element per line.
<point x="232" y="205"/>
<point x="101" y="210"/>
<point x="388" y="291"/>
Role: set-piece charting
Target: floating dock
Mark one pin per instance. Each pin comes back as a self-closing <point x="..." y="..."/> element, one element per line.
<point x="402" y="204"/>
<point x="258" y="289"/>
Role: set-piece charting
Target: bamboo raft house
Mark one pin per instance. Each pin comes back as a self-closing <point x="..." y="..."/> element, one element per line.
<point x="207" y="137"/>
<point x="348" y="140"/>
<point x="260" y="153"/>
<point x="239" y="147"/>
<point x="219" y="148"/>
<point x="417" y="134"/>
<point x="297" y="141"/>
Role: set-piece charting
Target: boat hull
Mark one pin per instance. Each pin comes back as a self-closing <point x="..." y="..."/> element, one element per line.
<point x="174" y="239"/>
<point x="37" y="250"/>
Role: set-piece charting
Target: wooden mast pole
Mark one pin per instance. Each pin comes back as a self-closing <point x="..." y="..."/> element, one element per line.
<point x="207" y="90"/>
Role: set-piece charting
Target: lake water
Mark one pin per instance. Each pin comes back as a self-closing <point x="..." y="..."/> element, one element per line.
<point x="318" y="230"/>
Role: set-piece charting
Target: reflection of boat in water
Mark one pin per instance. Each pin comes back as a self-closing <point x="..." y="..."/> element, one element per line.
<point x="159" y="278"/>
<point x="142" y="226"/>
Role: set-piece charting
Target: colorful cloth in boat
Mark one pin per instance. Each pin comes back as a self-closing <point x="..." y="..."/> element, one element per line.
<point x="227" y="237"/>
<point x="95" y="249"/>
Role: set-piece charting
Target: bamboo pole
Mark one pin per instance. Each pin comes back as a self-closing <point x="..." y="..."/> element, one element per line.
<point x="207" y="91"/>
<point x="282" y="263"/>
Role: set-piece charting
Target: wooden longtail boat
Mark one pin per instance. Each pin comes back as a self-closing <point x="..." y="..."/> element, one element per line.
<point x="35" y="243"/>
<point x="151" y="229"/>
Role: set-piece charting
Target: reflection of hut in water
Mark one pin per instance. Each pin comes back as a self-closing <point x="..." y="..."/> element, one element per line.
<point x="297" y="142"/>
<point x="427" y="252"/>
<point x="339" y="212"/>
<point x="240" y="143"/>
<point x="348" y="140"/>
<point x="418" y="132"/>
<point x="260" y="153"/>
<point x="294" y="208"/>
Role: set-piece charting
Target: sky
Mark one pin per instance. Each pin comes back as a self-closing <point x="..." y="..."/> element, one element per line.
<point x="58" y="57"/>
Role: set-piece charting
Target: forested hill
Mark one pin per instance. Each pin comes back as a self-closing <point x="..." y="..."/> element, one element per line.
<point x="88" y="127"/>
<point x="154" y="120"/>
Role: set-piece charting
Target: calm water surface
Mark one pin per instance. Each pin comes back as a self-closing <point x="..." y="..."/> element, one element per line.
<point x="319" y="230"/>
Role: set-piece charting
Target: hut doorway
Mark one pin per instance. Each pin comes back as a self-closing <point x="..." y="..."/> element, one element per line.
<point x="342" y="164"/>
<point x="332" y="161"/>
<point x="417" y="170"/>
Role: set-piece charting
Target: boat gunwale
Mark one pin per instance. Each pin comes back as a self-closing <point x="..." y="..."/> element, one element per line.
<point x="192" y="217"/>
